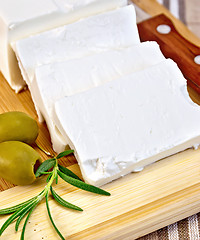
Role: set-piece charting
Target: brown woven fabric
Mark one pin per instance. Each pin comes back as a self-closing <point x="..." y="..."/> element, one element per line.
<point x="182" y="11"/>
<point x="198" y="217"/>
<point x="163" y="233"/>
<point x="183" y="229"/>
<point x="186" y="229"/>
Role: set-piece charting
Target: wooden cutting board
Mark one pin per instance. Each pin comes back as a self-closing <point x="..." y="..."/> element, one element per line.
<point x="163" y="193"/>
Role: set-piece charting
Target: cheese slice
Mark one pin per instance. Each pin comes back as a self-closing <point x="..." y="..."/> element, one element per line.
<point x="110" y="30"/>
<point x="56" y="80"/>
<point x="130" y="122"/>
<point x="21" y="18"/>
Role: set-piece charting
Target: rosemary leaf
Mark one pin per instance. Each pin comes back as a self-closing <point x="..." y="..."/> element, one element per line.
<point x="49" y="213"/>
<point x="68" y="172"/>
<point x="26" y="221"/>
<point x="45" y="166"/>
<point x="48" y="178"/>
<point x="16" y="207"/>
<point x="56" y="179"/>
<point x="64" y="203"/>
<point x="13" y="217"/>
<point x="65" y="153"/>
<point x="82" y="185"/>
<point x="24" y="214"/>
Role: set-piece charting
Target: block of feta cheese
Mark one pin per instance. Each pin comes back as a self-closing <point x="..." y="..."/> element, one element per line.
<point x="21" y="18"/>
<point x="130" y="122"/>
<point x="56" y="80"/>
<point x="111" y="30"/>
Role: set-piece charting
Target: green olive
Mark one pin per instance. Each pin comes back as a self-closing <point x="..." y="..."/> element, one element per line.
<point x="18" y="126"/>
<point x="18" y="162"/>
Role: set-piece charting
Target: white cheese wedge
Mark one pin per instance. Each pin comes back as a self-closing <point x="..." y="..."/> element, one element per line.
<point x="110" y="30"/>
<point x="56" y="80"/>
<point x="130" y="122"/>
<point x="21" y="18"/>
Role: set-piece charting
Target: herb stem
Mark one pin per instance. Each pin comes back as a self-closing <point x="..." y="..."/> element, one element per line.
<point x="53" y="175"/>
<point x="33" y="205"/>
<point x="26" y="221"/>
<point x="44" y="151"/>
<point x="51" y="219"/>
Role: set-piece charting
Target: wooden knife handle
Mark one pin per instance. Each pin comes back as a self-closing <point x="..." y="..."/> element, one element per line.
<point x="173" y="46"/>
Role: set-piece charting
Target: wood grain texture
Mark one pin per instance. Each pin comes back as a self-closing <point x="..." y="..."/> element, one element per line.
<point x="163" y="193"/>
<point x="173" y="46"/>
<point x="186" y="11"/>
<point x="140" y="203"/>
<point x="153" y="8"/>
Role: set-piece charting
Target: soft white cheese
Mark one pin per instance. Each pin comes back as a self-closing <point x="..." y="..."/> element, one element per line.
<point x="130" y="122"/>
<point x="110" y="30"/>
<point x="21" y="18"/>
<point x="56" y="80"/>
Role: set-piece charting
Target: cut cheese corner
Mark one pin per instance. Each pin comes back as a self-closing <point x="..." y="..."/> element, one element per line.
<point x="22" y="18"/>
<point x="129" y="123"/>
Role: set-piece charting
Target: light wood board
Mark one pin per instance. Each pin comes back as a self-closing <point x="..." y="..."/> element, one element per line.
<point x="140" y="203"/>
<point x="163" y="193"/>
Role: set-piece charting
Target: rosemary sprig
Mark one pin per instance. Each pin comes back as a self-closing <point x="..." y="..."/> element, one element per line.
<point x="64" y="203"/>
<point x="52" y="169"/>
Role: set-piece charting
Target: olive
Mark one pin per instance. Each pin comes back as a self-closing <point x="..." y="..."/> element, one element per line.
<point x="18" y="126"/>
<point x="18" y="162"/>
